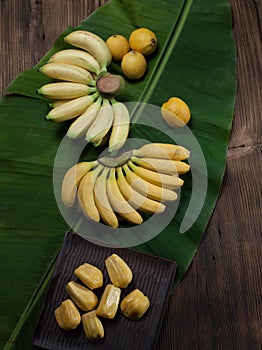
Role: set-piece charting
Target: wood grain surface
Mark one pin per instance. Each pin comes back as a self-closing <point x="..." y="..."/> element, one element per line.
<point x="218" y="303"/>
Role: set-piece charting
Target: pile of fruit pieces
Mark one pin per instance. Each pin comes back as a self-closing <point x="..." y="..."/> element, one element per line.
<point x="136" y="181"/>
<point x="134" y="305"/>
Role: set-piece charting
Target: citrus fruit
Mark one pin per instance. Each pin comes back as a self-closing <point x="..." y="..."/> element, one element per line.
<point x="133" y="65"/>
<point x="118" y="45"/>
<point x="143" y="40"/>
<point x="175" y="112"/>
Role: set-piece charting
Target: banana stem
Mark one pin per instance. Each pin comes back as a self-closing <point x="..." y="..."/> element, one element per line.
<point x="92" y="82"/>
<point x="110" y="85"/>
<point x="111" y="162"/>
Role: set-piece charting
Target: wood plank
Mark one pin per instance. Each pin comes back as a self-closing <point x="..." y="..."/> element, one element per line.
<point x="258" y="4"/>
<point x="246" y="128"/>
<point x="218" y="303"/>
<point x="29" y="28"/>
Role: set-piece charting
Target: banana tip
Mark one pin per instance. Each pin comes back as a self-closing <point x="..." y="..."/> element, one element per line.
<point x="69" y="135"/>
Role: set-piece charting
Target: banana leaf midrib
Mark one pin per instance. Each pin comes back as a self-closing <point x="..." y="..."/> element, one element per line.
<point x="162" y="60"/>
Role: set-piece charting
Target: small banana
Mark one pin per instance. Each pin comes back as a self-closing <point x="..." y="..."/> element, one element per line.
<point x="93" y="44"/>
<point x="136" y="199"/>
<point x="120" y="127"/>
<point x="101" y="125"/>
<point x="72" y="179"/>
<point x="86" y="194"/>
<point x="57" y="103"/>
<point x="162" y="150"/>
<point x="118" y="201"/>
<point x="166" y="166"/>
<point x="79" y="127"/>
<point x="65" y="90"/>
<point x="159" y="179"/>
<point x="148" y="189"/>
<point x="78" y="58"/>
<point x="102" y="202"/>
<point x="67" y="72"/>
<point x="71" y="109"/>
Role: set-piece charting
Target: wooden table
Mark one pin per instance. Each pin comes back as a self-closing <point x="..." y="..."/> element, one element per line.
<point x="218" y="303"/>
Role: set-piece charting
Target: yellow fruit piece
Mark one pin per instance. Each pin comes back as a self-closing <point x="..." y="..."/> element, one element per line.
<point x="109" y="302"/>
<point x="118" y="45"/>
<point x="119" y="272"/>
<point x="93" y="327"/>
<point x="90" y="275"/>
<point x="175" y="112"/>
<point x="67" y="315"/>
<point x="84" y="298"/>
<point x="143" y="40"/>
<point x="134" y="305"/>
<point x="134" y="65"/>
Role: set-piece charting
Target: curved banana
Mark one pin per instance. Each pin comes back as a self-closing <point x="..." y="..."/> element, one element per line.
<point x="71" y="181"/>
<point x="118" y="201"/>
<point x="136" y="199"/>
<point x="93" y="44"/>
<point x="78" y="58"/>
<point x="86" y="194"/>
<point x="57" y="103"/>
<point x="166" y="166"/>
<point x="102" y="202"/>
<point x="71" y="109"/>
<point x="67" y="72"/>
<point x="101" y="125"/>
<point x="120" y="126"/>
<point x="148" y="189"/>
<point x="65" y="90"/>
<point x="159" y="179"/>
<point x="162" y="150"/>
<point x="79" y="127"/>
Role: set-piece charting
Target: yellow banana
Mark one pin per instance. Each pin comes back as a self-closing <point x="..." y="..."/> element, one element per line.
<point x="65" y="90"/>
<point x="136" y="199"/>
<point x="102" y="202"/>
<point x="71" y="181"/>
<point x="148" y="189"/>
<point x="166" y="166"/>
<point x="120" y="127"/>
<point x="57" y="103"/>
<point x="93" y="44"/>
<point x="162" y="150"/>
<point x="101" y="125"/>
<point x="67" y="72"/>
<point x="118" y="201"/>
<point x="86" y="194"/>
<point x="78" y="58"/>
<point x="159" y="179"/>
<point x="71" y="109"/>
<point x="79" y="127"/>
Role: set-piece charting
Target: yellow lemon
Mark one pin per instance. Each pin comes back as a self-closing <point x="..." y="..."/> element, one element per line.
<point x="175" y="112"/>
<point x="133" y="65"/>
<point x="143" y="40"/>
<point x="118" y="45"/>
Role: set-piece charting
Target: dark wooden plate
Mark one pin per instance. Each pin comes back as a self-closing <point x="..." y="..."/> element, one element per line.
<point x="154" y="276"/>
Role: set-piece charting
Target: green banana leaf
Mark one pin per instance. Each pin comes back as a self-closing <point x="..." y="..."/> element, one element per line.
<point x="195" y="60"/>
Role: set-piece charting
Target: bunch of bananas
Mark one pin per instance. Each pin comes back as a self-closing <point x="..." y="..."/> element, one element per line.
<point x="137" y="181"/>
<point x="85" y="90"/>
